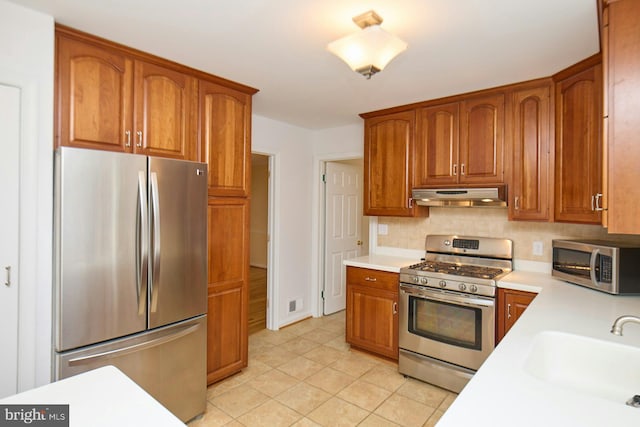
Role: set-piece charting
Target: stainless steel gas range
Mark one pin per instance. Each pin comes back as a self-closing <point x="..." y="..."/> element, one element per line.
<point x="447" y="308"/>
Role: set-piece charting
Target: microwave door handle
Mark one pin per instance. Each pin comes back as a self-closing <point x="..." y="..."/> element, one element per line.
<point x="592" y="266"/>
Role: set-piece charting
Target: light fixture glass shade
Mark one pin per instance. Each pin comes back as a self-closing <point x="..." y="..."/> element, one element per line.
<point x="369" y="50"/>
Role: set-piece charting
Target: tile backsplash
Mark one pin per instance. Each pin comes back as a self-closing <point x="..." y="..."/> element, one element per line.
<point x="409" y="233"/>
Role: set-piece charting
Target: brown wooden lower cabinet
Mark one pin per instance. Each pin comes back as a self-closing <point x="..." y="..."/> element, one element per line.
<point x="372" y="311"/>
<point x="511" y="304"/>
<point x="228" y="274"/>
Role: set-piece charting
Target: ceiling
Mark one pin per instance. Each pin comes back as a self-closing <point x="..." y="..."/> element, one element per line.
<point x="279" y="46"/>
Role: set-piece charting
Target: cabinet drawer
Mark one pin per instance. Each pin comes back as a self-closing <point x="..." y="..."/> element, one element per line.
<point x="373" y="278"/>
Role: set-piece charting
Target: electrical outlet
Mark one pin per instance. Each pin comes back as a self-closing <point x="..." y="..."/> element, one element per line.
<point x="538" y="248"/>
<point x="383" y="229"/>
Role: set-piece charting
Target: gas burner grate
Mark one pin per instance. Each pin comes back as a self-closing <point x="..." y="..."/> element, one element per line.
<point x="465" y="270"/>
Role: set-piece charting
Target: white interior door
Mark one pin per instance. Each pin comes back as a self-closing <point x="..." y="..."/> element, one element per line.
<point x="9" y="191"/>
<point x="343" y="231"/>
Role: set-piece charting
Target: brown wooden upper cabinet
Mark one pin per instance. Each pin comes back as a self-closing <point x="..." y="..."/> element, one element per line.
<point x="388" y="150"/>
<point x="578" y="149"/>
<point x="461" y="142"/>
<point x="482" y="140"/>
<point x="530" y="192"/>
<point x="109" y="100"/>
<point x="164" y="113"/>
<point x="437" y="145"/>
<point x="621" y="61"/>
<point x="225" y="130"/>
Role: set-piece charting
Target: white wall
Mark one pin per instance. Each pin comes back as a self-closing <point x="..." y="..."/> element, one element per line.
<point x="26" y="61"/>
<point x="340" y="140"/>
<point x="292" y="213"/>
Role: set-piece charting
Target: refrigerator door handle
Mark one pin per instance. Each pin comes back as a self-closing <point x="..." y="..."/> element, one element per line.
<point x="155" y="242"/>
<point x="119" y="352"/>
<point x="142" y="239"/>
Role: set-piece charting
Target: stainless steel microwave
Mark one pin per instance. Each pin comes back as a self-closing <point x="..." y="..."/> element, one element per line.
<point x="611" y="267"/>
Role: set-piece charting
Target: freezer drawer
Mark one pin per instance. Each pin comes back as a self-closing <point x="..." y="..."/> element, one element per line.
<point x="169" y="363"/>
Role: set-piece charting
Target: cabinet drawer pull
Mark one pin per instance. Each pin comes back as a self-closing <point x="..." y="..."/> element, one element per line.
<point x="139" y="144"/>
<point x="517" y="203"/>
<point x="128" y="140"/>
<point x="462" y="169"/>
<point x="370" y="279"/>
<point x="455" y="170"/>
<point x="395" y="308"/>
<point x="597" y="199"/>
<point x="508" y="311"/>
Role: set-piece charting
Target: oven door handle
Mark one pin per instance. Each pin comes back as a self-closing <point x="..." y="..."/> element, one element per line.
<point x="427" y="294"/>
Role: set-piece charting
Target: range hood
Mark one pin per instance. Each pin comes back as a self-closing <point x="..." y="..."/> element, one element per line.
<point x="461" y="197"/>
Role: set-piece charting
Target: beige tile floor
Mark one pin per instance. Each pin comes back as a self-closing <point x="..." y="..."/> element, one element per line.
<point x="306" y="375"/>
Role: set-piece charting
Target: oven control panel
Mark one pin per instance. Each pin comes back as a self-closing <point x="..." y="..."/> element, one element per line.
<point x="451" y="285"/>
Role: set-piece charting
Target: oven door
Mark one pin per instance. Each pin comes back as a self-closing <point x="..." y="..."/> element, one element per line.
<point x="453" y="327"/>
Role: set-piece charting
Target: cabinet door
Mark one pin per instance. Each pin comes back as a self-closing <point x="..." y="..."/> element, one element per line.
<point x="437" y="145"/>
<point x="511" y="305"/>
<point x="228" y="272"/>
<point x="225" y="138"/>
<point x="165" y="107"/>
<point x="622" y="55"/>
<point x="372" y="320"/>
<point x="530" y="193"/>
<point x="388" y="146"/>
<point x="578" y="153"/>
<point x="482" y="140"/>
<point x="94" y="94"/>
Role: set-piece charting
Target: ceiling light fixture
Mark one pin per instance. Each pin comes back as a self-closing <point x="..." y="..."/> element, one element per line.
<point x="369" y="50"/>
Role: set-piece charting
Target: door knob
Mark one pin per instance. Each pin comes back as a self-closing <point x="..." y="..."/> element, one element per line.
<point x="359" y="243"/>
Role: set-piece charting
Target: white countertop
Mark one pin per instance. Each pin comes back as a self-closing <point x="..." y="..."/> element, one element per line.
<point x="503" y="393"/>
<point x="392" y="264"/>
<point x="104" y="397"/>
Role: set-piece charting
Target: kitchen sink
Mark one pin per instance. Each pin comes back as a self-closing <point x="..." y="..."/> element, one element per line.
<point x="585" y="365"/>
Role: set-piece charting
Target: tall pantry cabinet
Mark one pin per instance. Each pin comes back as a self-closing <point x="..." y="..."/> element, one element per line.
<point x="111" y="97"/>
<point x="225" y="136"/>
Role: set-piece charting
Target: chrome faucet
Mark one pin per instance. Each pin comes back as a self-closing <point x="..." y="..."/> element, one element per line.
<point x="616" y="329"/>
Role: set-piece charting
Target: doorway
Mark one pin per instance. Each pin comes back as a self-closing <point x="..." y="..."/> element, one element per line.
<point x="260" y="238"/>
<point x="345" y="228"/>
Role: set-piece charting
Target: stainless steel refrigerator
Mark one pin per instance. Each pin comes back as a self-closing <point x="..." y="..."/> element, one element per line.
<point x="130" y="271"/>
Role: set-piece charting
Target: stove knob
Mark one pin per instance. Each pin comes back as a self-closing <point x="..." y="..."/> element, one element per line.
<point x="473" y="288"/>
<point x="442" y="284"/>
<point x="462" y="286"/>
<point x="416" y="279"/>
<point x="424" y="280"/>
